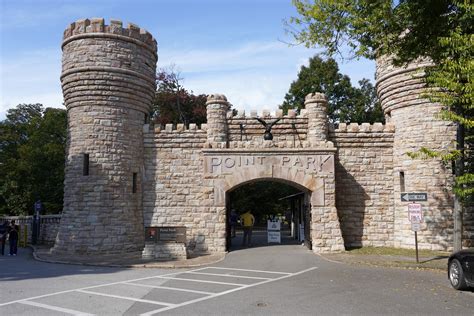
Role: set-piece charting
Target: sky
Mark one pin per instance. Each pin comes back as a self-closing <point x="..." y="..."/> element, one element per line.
<point x="238" y="48"/>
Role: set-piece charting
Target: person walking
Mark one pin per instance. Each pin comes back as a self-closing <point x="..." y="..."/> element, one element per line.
<point x="3" y="235"/>
<point x="247" y="220"/>
<point x="13" y="238"/>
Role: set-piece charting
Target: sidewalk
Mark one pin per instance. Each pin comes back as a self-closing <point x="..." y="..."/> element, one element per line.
<point x="436" y="261"/>
<point x="42" y="253"/>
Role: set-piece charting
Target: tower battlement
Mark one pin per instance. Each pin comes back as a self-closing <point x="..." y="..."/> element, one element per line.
<point x="96" y="27"/>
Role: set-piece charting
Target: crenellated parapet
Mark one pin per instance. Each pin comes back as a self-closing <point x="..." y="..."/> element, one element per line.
<point x="362" y="128"/>
<point x="108" y="65"/>
<point x="400" y="86"/>
<point x="96" y="27"/>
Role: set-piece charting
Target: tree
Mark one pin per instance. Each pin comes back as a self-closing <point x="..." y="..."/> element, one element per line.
<point x="32" y="157"/>
<point x="174" y="104"/>
<point x="262" y="198"/>
<point x="345" y="102"/>
<point x="440" y="30"/>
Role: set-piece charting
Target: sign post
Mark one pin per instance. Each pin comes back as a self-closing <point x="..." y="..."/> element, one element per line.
<point x="415" y="215"/>
<point x="38" y="207"/>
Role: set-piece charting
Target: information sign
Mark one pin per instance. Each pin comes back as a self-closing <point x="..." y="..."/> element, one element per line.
<point x="151" y="234"/>
<point x="165" y="234"/>
<point x="274" y="237"/>
<point x="415" y="227"/>
<point x="414" y="197"/>
<point x="415" y="214"/>
<point x="273" y="225"/>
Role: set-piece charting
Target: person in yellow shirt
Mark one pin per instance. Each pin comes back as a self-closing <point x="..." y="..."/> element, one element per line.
<point x="247" y="221"/>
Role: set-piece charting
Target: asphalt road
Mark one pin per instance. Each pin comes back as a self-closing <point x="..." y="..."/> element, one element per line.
<point x="272" y="280"/>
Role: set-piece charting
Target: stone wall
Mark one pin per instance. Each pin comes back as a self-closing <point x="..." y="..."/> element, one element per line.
<point x="174" y="190"/>
<point x="364" y="186"/>
<point x="49" y="226"/>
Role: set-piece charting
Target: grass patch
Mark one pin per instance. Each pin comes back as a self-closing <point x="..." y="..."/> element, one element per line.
<point x="387" y="251"/>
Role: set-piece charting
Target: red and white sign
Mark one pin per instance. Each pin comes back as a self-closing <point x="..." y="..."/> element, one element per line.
<point x="415" y="214"/>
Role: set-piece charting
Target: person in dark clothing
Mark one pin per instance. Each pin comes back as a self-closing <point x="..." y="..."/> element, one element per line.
<point x="13" y="238"/>
<point x="3" y="236"/>
<point x="234" y="219"/>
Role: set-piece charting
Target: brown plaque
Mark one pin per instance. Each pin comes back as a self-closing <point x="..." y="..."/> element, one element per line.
<point x="151" y="234"/>
<point x="176" y="234"/>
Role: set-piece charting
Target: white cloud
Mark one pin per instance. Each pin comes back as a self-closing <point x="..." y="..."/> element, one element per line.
<point x="253" y="76"/>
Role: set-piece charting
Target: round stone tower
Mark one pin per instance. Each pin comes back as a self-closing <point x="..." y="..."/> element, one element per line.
<point x="217" y="107"/>
<point x="400" y="91"/>
<point x="316" y="107"/>
<point x="108" y="82"/>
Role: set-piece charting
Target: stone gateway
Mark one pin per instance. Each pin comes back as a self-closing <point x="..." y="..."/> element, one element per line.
<point x="129" y="182"/>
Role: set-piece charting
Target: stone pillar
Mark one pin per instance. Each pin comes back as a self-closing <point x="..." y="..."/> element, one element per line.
<point x="108" y="82"/>
<point x="316" y="107"/>
<point x="417" y="125"/>
<point x="217" y="107"/>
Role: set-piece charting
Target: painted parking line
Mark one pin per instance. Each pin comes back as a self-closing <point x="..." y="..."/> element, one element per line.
<point x="170" y="288"/>
<point x="227" y="292"/>
<point x="55" y="308"/>
<point x="201" y="281"/>
<point x="175" y="276"/>
<point x="229" y="275"/>
<point x="127" y="298"/>
<point x="86" y="288"/>
<point x="246" y="270"/>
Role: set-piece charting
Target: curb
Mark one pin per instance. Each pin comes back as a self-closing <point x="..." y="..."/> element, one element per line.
<point x="380" y="264"/>
<point x="157" y="264"/>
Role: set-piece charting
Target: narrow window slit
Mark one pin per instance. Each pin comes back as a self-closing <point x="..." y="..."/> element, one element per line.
<point x="134" y="183"/>
<point x="85" y="164"/>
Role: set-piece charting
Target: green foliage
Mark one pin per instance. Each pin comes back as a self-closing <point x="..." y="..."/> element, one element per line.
<point x="261" y="198"/>
<point x="174" y="104"/>
<point x="32" y="153"/>
<point x="440" y="30"/>
<point x="408" y="28"/>
<point x="345" y="102"/>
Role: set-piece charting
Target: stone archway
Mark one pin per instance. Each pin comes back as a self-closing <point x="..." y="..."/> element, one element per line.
<point x="311" y="169"/>
<point x="266" y="194"/>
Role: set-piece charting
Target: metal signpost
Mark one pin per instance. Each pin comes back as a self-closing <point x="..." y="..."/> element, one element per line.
<point x="415" y="215"/>
<point x="36" y="222"/>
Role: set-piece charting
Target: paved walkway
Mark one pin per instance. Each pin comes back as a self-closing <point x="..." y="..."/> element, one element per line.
<point x="259" y="240"/>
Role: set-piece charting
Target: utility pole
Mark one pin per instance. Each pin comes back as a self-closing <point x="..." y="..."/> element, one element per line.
<point x="459" y="170"/>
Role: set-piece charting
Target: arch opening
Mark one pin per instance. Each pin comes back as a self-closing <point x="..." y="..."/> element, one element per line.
<point x="281" y="210"/>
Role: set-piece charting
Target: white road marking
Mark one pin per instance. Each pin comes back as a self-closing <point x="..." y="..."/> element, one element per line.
<point x="171" y="288"/>
<point x="201" y="281"/>
<point x="168" y="276"/>
<point x="228" y="275"/>
<point x="127" y="298"/>
<point x="56" y="308"/>
<point x="226" y="292"/>
<point x="261" y="271"/>
<point x="86" y="288"/>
